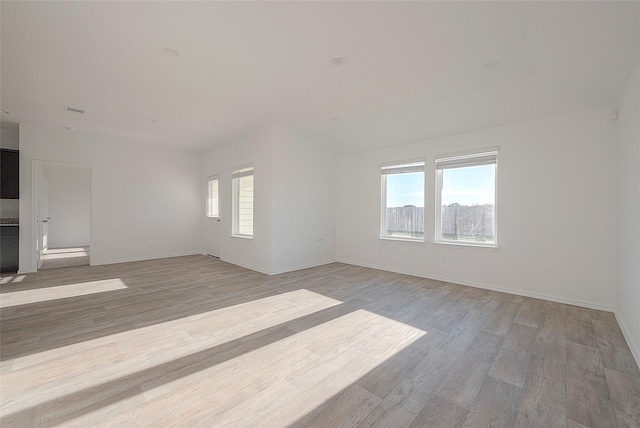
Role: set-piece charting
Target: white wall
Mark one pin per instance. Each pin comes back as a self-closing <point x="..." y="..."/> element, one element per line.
<point x="628" y="308"/>
<point x="69" y="207"/>
<point x="556" y="211"/>
<point x="304" y="204"/>
<point x="9" y="138"/>
<point x="252" y="148"/>
<point x="147" y="200"/>
<point x="294" y="200"/>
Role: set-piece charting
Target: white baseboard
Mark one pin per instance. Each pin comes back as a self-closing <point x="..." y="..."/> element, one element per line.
<point x="245" y="265"/>
<point x="300" y="267"/>
<point x="277" y="271"/>
<point x="484" y="286"/>
<point x="627" y="335"/>
<point x="140" y="259"/>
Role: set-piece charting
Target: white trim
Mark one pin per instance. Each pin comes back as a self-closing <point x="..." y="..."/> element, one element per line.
<point x="466" y="244"/>
<point x="392" y="238"/>
<point x="382" y="221"/>
<point x="438" y="196"/>
<point x="141" y="259"/>
<point x="34" y="195"/>
<point x="244" y="265"/>
<point x="411" y="161"/>
<point x="484" y="286"/>
<point x="465" y="153"/>
<point x="300" y="267"/>
<point x="277" y="271"/>
<point x="249" y="237"/>
<point x="635" y="350"/>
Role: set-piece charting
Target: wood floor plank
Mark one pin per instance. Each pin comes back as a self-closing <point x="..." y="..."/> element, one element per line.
<point x="579" y="328"/>
<point x="588" y="398"/>
<point x="625" y="393"/>
<point x="543" y="398"/>
<point x="500" y="320"/>
<point x="496" y="405"/>
<point x="512" y="362"/>
<point x="529" y="313"/>
<point x="440" y="413"/>
<point x="466" y="377"/>
<point x="400" y="407"/>
<point x="346" y="409"/>
<point x="614" y="351"/>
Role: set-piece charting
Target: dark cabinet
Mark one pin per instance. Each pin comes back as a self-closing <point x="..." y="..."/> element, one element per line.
<point x="9" y="236"/>
<point x="10" y="172"/>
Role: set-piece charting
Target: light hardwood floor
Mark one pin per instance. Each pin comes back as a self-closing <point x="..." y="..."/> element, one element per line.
<point x="193" y="341"/>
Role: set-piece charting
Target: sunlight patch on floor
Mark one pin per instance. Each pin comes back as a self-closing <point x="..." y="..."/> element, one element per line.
<point x="48" y="378"/>
<point x="274" y="385"/>
<point x="38" y="295"/>
<point x="58" y="256"/>
<point x="10" y="278"/>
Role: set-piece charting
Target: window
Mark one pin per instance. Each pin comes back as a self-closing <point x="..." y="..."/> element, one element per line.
<point x="466" y="199"/>
<point x="402" y="215"/>
<point x="242" y="182"/>
<point x="213" y="209"/>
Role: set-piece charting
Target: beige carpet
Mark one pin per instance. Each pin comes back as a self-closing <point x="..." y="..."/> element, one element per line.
<point x="64" y="257"/>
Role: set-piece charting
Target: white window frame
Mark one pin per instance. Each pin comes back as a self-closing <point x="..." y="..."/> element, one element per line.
<point x="464" y="157"/>
<point x="383" y="197"/>
<point x="209" y="205"/>
<point x="236" y="174"/>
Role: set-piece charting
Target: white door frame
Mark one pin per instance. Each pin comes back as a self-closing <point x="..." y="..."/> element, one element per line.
<point x="35" y="230"/>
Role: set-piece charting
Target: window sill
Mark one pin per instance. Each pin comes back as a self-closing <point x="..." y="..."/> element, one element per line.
<point x="389" y="238"/>
<point x="242" y="236"/>
<point x="490" y="247"/>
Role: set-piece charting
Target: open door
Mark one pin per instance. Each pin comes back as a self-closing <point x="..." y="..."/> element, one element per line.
<point x="42" y="214"/>
<point x="63" y="191"/>
<point x="213" y="216"/>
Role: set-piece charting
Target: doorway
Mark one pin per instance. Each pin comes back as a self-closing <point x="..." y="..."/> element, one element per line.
<point x="62" y="214"/>
<point x="213" y="216"/>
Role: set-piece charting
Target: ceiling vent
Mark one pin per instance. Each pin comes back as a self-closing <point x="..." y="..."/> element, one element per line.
<point x="74" y="110"/>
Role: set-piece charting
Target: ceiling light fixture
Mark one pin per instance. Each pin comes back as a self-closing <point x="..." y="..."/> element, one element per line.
<point x="74" y="110"/>
<point x="491" y="64"/>
<point x="338" y="59"/>
<point x="171" y="52"/>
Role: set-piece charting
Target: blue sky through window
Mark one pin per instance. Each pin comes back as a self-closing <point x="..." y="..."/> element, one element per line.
<point x="469" y="186"/>
<point x="405" y="189"/>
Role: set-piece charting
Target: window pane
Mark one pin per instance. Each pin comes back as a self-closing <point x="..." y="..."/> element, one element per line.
<point x="404" y="205"/>
<point x="468" y="204"/>
<point x="245" y="205"/>
<point x="212" y="199"/>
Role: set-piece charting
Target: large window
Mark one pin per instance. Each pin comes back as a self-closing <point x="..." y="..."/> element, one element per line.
<point x="466" y="199"/>
<point x="402" y="215"/>
<point x="213" y="208"/>
<point x="242" y="182"/>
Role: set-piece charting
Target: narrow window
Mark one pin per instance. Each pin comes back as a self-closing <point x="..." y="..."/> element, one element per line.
<point x="402" y="215"/>
<point x="213" y="209"/>
<point x="242" y="182"/>
<point x="466" y="199"/>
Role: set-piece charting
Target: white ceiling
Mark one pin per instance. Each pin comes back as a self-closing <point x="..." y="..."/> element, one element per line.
<point x="414" y="69"/>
